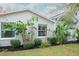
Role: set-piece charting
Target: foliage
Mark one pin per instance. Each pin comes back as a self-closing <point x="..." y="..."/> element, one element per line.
<point x="20" y="27"/>
<point x="15" y="43"/>
<point x="77" y="34"/>
<point x="61" y="29"/>
<point x="29" y="44"/>
<point x="72" y="9"/>
<point x="30" y="24"/>
<point x="45" y="44"/>
<point x="52" y="41"/>
<point x="32" y="20"/>
<point x="37" y="42"/>
<point x="61" y="32"/>
<point x="9" y="26"/>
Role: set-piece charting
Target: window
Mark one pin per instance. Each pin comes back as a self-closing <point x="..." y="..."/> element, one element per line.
<point x="42" y="30"/>
<point x="7" y="31"/>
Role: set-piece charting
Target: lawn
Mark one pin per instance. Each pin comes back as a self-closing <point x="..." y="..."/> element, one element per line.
<point x="59" y="50"/>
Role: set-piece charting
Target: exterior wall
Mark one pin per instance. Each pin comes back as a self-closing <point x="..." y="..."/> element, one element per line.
<point x="5" y="41"/>
<point x="24" y="16"/>
<point x="71" y="37"/>
<point x="50" y="26"/>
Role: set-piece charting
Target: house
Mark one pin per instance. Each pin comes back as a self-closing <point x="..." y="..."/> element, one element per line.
<point x="42" y="24"/>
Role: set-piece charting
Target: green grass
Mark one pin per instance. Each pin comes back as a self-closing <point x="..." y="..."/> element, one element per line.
<point x="59" y="50"/>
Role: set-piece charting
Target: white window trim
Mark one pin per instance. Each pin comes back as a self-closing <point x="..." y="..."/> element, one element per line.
<point x="3" y="38"/>
<point x="8" y="38"/>
<point x="38" y="31"/>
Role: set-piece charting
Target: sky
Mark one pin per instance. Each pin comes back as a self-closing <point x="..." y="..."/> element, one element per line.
<point x="41" y="7"/>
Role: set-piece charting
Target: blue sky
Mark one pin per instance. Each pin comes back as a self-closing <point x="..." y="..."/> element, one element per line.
<point x="41" y="7"/>
<point x="38" y="6"/>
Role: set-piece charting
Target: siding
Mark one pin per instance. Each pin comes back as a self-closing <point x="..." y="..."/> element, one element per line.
<point x="24" y="16"/>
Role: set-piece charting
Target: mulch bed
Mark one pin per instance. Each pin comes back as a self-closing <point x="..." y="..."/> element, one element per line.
<point x="5" y="49"/>
<point x="11" y="49"/>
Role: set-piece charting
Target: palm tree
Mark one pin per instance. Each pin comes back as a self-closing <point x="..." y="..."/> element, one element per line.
<point x="61" y="32"/>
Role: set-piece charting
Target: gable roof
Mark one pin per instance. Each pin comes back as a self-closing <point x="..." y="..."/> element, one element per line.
<point x="30" y="10"/>
<point x="58" y="15"/>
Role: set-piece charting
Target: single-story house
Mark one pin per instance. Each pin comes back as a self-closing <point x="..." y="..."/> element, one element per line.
<point x="42" y="24"/>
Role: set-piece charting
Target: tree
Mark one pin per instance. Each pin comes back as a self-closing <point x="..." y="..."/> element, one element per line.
<point x="21" y="27"/>
<point x="77" y="34"/>
<point x="31" y="26"/>
<point x="72" y="10"/>
<point x="61" y="32"/>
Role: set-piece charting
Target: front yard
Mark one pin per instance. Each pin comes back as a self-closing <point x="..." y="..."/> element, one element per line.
<point x="59" y="50"/>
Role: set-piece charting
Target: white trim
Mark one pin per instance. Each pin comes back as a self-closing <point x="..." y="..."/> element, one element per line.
<point x="3" y="30"/>
<point x="42" y="37"/>
<point x="38" y="31"/>
<point x="7" y="38"/>
<point x="30" y="10"/>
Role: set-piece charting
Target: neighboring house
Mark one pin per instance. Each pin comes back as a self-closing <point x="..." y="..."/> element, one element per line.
<point x="24" y="15"/>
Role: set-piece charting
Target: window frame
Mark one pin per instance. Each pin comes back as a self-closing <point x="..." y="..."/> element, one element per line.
<point x="42" y="30"/>
<point x="3" y="30"/>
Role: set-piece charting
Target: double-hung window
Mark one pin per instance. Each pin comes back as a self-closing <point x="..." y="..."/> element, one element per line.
<point x="42" y="30"/>
<point x="7" y="30"/>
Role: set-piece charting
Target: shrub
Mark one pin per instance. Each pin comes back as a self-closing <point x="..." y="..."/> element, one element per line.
<point x="77" y="39"/>
<point x="37" y="42"/>
<point x="45" y="44"/>
<point x="29" y="44"/>
<point x="77" y="34"/>
<point x="52" y="41"/>
<point x="15" y="43"/>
